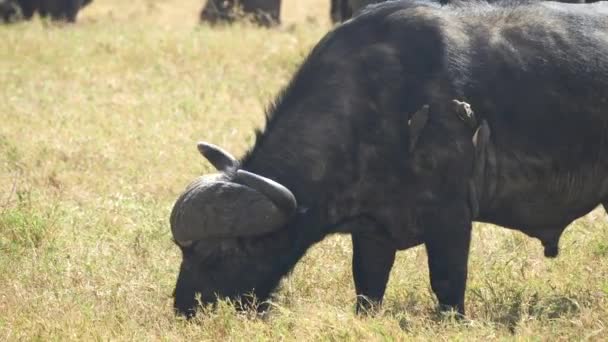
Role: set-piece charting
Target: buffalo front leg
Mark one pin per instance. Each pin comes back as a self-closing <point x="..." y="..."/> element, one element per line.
<point x="447" y="245"/>
<point x="373" y="258"/>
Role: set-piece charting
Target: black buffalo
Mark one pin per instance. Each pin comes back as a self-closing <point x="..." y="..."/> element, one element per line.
<point x="62" y="10"/>
<point x="371" y="138"/>
<point x="9" y="11"/>
<point x="268" y="12"/>
<point x="263" y="12"/>
<point x="58" y="10"/>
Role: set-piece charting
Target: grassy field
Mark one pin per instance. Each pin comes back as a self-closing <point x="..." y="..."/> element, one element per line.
<point x="98" y="124"/>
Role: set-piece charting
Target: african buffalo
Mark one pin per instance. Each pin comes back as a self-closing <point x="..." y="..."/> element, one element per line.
<point x="58" y="10"/>
<point x="61" y="10"/>
<point x="9" y="11"/>
<point x="263" y="12"/>
<point x="376" y="146"/>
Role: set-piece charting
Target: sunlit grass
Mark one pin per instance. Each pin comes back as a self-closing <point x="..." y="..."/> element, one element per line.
<point x="98" y="124"/>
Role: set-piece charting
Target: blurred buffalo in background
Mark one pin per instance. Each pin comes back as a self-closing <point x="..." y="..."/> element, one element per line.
<point x="57" y="10"/>
<point x="268" y="12"/>
<point x="9" y="11"/>
<point x="263" y="12"/>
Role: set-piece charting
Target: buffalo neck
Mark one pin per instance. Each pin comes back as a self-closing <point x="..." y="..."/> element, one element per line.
<point x="297" y="152"/>
<point x="302" y="147"/>
<point x="306" y="138"/>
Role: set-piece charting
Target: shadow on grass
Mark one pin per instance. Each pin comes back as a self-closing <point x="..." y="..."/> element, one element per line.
<point x="505" y="308"/>
<point x="509" y="307"/>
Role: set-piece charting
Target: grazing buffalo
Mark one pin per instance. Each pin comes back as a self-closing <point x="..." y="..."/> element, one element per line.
<point x="381" y="145"/>
<point x="61" y="10"/>
<point x="263" y="12"/>
<point x="9" y="11"/>
<point x="58" y="10"/>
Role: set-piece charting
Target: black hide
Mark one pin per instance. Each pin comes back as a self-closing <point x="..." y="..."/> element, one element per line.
<point x="263" y="12"/>
<point x="57" y="10"/>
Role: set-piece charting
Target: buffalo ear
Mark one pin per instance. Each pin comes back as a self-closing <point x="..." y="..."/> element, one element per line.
<point x="481" y="136"/>
<point x="483" y="157"/>
<point x="417" y="123"/>
<point x="222" y="160"/>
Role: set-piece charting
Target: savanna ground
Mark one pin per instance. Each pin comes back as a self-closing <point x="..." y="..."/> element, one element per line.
<point x="98" y="124"/>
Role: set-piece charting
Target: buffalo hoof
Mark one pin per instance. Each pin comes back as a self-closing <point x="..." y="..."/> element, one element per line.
<point x="366" y="306"/>
<point x="551" y="251"/>
<point x="455" y="311"/>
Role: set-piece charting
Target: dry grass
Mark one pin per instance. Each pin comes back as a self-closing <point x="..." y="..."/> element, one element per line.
<point x="97" y="133"/>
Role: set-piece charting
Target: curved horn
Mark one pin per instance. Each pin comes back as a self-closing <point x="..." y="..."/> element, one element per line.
<point x="278" y="194"/>
<point x="222" y="160"/>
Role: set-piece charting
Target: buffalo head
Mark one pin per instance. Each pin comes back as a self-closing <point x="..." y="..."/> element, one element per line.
<point x="222" y="224"/>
